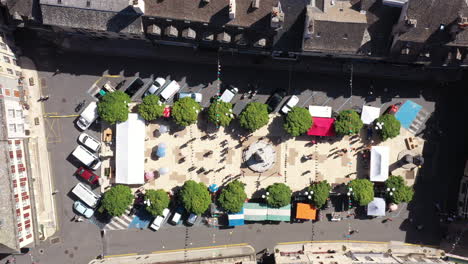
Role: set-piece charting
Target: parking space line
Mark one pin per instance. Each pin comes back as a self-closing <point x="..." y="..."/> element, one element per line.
<point x="343" y="104"/>
<point x="121" y="255"/>
<point x="328" y="100"/>
<point x="313" y="93"/>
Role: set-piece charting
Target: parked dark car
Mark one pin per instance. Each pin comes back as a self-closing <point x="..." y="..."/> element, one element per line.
<point x="275" y="99"/>
<point x="134" y="86"/>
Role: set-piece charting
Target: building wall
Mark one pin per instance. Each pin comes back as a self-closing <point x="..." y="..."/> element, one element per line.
<point x="21" y="191"/>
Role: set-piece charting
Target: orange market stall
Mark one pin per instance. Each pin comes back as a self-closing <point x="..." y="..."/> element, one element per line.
<point x="306" y="211"/>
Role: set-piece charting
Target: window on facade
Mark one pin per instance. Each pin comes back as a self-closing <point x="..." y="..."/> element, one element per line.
<point x="19" y="233"/>
<point x="19" y="113"/>
<point x="15" y="62"/>
<point x="28" y="231"/>
<point x="25" y="203"/>
<point x="18" y="73"/>
<point x="12" y="128"/>
<point x="11" y="113"/>
<point x="20" y="128"/>
<point x="6" y="59"/>
<point x="17" y="205"/>
<point x="23" y="188"/>
<point x="10" y="71"/>
<point x="3" y="46"/>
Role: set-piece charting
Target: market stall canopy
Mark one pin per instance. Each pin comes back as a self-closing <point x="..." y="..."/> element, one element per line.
<point x="306" y="211"/>
<point x="322" y="127"/>
<point x="130" y="151"/>
<point x="149" y="175"/>
<point x="379" y="164"/>
<point x="255" y="212"/>
<point x="161" y="152"/>
<point x="213" y="188"/>
<point x="163" y="129"/>
<point x="376" y="207"/>
<point x="369" y="114"/>
<point x="236" y="219"/>
<point x="279" y="214"/>
<point x="320" y="111"/>
<point x="163" y="171"/>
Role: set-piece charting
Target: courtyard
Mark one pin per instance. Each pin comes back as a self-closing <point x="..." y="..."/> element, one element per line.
<point x="211" y="155"/>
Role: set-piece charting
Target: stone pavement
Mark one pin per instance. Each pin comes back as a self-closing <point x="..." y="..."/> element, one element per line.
<point x="45" y="205"/>
<point x="198" y="153"/>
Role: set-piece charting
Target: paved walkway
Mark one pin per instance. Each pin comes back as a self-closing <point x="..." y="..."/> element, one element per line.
<point x="40" y="161"/>
<point x="201" y="153"/>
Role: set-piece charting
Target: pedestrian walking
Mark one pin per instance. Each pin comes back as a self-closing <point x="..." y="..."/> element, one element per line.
<point x="55" y="192"/>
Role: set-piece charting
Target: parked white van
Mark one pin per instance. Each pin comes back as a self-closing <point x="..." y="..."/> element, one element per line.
<point x="86" y="157"/>
<point x="86" y="195"/>
<point x="158" y="221"/>
<point x="88" y="116"/>
<point x="229" y="94"/>
<point x="169" y="90"/>
<point x="89" y="142"/>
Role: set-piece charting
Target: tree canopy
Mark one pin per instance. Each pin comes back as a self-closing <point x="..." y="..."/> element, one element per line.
<point x="195" y="197"/>
<point x="348" y="122"/>
<point x="151" y="107"/>
<point x="113" y="107"/>
<point x="185" y="111"/>
<point x="159" y="200"/>
<point x="391" y="126"/>
<point x="402" y="192"/>
<point x="254" y="116"/>
<point x="279" y="195"/>
<point x="298" y="121"/>
<point x="362" y="191"/>
<point x="232" y="197"/>
<point x="220" y="113"/>
<point x="117" y="199"/>
<point x="321" y="192"/>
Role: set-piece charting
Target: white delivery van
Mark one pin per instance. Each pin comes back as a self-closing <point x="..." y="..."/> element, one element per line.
<point x="169" y="90"/>
<point x="86" y="195"/>
<point x="229" y="94"/>
<point x="88" y="116"/>
<point x="158" y="221"/>
<point x="86" y="157"/>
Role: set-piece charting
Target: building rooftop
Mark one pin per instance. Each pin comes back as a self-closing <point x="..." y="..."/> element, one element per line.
<point x="125" y="21"/>
<point x="215" y="12"/>
<point x="102" y="5"/>
<point x="429" y="16"/>
<point x="335" y="27"/>
<point x="20" y="7"/>
<point x="8" y="231"/>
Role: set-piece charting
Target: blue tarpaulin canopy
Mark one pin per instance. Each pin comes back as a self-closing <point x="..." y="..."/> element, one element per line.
<point x="161" y="152"/>
<point x="236" y="219"/>
<point x="213" y="188"/>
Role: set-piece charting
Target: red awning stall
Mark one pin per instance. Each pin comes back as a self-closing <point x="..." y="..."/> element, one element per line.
<point x="322" y="127"/>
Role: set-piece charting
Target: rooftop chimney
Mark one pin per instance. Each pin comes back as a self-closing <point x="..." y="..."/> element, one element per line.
<point x="277" y="17"/>
<point x="232" y="9"/>
<point x="255" y="4"/>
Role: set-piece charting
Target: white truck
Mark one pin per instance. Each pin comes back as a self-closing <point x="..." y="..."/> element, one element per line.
<point x="86" y="195"/>
<point x="86" y="157"/>
<point x="169" y="90"/>
<point x="88" y="116"/>
<point x="229" y="94"/>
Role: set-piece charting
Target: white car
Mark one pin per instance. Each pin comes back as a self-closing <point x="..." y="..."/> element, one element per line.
<point x="83" y="209"/>
<point x="157" y="84"/>
<point x="89" y="142"/>
<point x="292" y="102"/>
<point x="158" y="221"/>
<point x="195" y="96"/>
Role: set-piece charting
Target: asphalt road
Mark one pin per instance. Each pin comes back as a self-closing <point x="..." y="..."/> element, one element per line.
<point x="80" y="242"/>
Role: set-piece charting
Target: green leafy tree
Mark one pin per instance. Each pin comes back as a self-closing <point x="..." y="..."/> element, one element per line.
<point x="348" y="122"/>
<point x="159" y="200"/>
<point x="362" y="191"/>
<point x="220" y="113"/>
<point x="391" y="126"/>
<point x="279" y="195"/>
<point x="232" y="197"/>
<point x="321" y="192"/>
<point x="113" y="107"/>
<point x="117" y="199"/>
<point x="298" y="121"/>
<point x="254" y="116"/>
<point x="195" y="197"/>
<point x="185" y="111"/>
<point x="151" y="107"/>
<point x="402" y="192"/>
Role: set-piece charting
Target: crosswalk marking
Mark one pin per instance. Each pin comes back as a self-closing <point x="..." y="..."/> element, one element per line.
<point x="120" y="222"/>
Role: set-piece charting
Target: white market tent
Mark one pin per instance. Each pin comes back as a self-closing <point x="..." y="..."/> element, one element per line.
<point x="130" y="151"/>
<point x="369" y="114"/>
<point x="379" y="163"/>
<point x="376" y="207"/>
<point x="320" y="111"/>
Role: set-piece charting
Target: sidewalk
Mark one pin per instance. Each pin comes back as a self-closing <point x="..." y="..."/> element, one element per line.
<point x="45" y="207"/>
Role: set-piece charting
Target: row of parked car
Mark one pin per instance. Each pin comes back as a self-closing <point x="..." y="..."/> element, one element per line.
<point x="174" y="220"/>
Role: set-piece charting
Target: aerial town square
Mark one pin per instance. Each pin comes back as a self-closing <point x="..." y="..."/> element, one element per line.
<point x="233" y="131"/>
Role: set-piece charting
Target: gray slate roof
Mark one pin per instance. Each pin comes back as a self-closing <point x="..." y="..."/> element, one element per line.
<point x="125" y="21"/>
<point x="215" y="12"/>
<point x="103" y="5"/>
<point x="20" y="7"/>
<point x="429" y="15"/>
